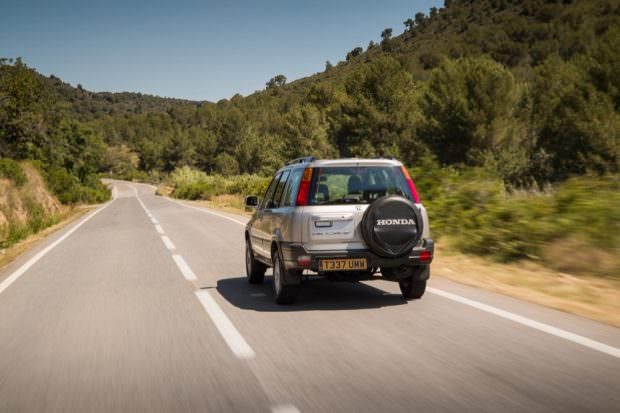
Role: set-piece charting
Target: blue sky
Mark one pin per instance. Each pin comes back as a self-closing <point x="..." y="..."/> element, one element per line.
<point x="192" y="49"/>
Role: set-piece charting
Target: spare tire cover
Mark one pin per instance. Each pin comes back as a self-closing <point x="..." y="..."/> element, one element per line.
<point x="392" y="226"/>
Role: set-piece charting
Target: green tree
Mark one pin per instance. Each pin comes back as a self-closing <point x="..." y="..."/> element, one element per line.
<point x="409" y="24"/>
<point x="225" y="164"/>
<point x="276" y="81"/>
<point x="470" y="108"/>
<point x="354" y="53"/>
<point x="576" y="126"/>
<point x="386" y="34"/>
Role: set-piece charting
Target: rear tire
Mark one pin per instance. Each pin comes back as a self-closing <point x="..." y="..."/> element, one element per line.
<point x="255" y="270"/>
<point x="284" y="294"/>
<point x="412" y="289"/>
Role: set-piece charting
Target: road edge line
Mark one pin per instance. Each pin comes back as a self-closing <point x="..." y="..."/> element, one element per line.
<point x="14" y="276"/>
<point x="528" y="322"/>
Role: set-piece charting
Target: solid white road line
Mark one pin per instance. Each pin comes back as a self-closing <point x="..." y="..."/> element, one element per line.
<point x="185" y="269"/>
<point x="233" y="338"/>
<point x="284" y="408"/>
<point x="206" y="211"/>
<point x="546" y="328"/>
<point x="26" y="266"/>
<point x="167" y="242"/>
<point x="153" y="220"/>
<point x="159" y="229"/>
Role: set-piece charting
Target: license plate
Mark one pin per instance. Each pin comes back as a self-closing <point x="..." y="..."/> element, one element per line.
<point x="343" y="264"/>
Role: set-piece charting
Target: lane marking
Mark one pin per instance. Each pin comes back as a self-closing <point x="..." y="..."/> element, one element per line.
<point x="206" y="211"/>
<point x="184" y="267"/>
<point x="153" y="220"/>
<point x="167" y="242"/>
<point x="159" y="229"/>
<point x="233" y="338"/>
<point x="545" y="328"/>
<point x="26" y="266"/>
<point x="284" y="408"/>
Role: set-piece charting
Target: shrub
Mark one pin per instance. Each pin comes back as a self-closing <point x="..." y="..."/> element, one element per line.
<point x="12" y="170"/>
<point x="193" y="184"/>
<point x="472" y="210"/>
<point x="70" y="190"/>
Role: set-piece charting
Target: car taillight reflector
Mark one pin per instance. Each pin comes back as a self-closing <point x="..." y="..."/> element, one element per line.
<point x="304" y="188"/>
<point x="414" y="192"/>
<point x="304" y="261"/>
<point x="425" y="256"/>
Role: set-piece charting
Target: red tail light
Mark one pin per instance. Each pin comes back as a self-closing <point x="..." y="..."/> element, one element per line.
<point x="425" y="256"/>
<point x="414" y="192"/>
<point x="303" y="194"/>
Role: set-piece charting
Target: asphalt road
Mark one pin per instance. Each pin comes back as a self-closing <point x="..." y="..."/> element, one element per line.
<point x="143" y="306"/>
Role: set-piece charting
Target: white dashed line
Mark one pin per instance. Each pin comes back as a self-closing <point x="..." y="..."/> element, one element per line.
<point x="26" y="266"/>
<point x="284" y="408"/>
<point x="233" y="338"/>
<point x="545" y="328"/>
<point x="185" y="269"/>
<point x="159" y="229"/>
<point x="167" y="242"/>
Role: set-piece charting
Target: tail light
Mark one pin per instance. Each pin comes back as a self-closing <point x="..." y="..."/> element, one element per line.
<point x="425" y="256"/>
<point x="303" y="194"/>
<point x="414" y="192"/>
<point x="304" y="261"/>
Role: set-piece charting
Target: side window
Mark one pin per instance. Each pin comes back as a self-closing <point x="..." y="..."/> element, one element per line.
<point x="269" y="192"/>
<point x="277" y="196"/>
<point x="291" y="188"/>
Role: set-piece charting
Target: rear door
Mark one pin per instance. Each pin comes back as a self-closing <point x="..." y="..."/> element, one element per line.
<point x="260" y="232"/>
<point x="278" y="209"/>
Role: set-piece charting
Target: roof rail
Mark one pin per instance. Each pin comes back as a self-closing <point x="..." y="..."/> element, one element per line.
<point x="305" y="159"/>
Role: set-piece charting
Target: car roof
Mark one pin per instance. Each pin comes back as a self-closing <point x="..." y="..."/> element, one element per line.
<point x="323" y="163"/>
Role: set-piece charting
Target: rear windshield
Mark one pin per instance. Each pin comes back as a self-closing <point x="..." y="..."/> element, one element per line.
<point x="357" y="185"/>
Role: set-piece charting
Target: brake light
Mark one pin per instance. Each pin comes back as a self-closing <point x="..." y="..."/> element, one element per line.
<point x="304" y="188"/>
<point x="425" y="256"/>
<point x="414" y="192"/>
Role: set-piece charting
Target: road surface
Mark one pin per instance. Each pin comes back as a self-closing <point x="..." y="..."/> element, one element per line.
<point x="142" y="306"/>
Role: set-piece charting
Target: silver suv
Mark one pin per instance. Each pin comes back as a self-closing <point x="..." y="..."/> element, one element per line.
<point x="347" y="219"/>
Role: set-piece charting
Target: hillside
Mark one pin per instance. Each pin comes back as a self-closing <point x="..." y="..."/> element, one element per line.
<point x="85" y="105"/>
<point x="512" y="85"/>
<point x="26" y="205"/>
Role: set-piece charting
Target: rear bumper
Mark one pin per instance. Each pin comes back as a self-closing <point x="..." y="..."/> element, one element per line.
<point x="291" y="252"/>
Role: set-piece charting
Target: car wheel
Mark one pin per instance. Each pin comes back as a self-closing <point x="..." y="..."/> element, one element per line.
<point x="411" y="288"/>
<point x="255" y="270"/>
<point x="284" y="294"/>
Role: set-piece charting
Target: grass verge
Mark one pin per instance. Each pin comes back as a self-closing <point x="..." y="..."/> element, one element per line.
<point x="9" y="254"/>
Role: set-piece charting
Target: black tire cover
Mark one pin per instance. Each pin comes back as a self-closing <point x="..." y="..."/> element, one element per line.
<point x="392" y="226"/>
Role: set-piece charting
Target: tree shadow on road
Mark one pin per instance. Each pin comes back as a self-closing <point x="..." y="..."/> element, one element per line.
<point x="313" y="295"/>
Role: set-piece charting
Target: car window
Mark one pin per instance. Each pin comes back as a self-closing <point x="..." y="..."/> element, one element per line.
<point x="277" y="196"/>
<point x="357" y="185"/>
<point x="290" y="192"/>
<point x="269" y="193"/>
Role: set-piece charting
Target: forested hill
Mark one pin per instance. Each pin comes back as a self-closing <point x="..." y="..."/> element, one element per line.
<point x="85" y="105"/>
<point x="527" y="89"/>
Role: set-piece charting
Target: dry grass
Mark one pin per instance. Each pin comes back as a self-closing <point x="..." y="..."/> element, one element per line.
<point x="227" y="203"/>
<point x="594" y="297"/>
<point x="9" y="254"/>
